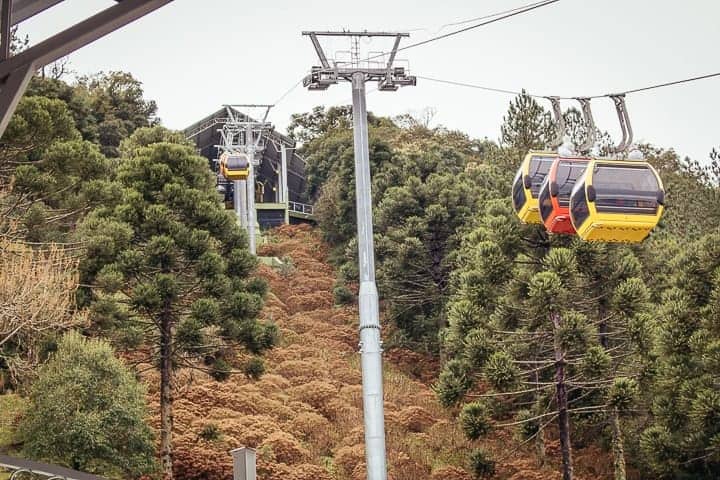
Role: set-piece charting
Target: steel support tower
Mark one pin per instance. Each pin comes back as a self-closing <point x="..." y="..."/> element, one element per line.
<point x="16" y="71"/>
<point x="389" y="78"/>
<point x="247" y="136"/>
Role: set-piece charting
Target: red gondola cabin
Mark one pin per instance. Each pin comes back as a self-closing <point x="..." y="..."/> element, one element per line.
<point x="554" y="196"/>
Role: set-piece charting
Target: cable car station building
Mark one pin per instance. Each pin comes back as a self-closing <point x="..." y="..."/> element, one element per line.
<point x="271" y="208"/>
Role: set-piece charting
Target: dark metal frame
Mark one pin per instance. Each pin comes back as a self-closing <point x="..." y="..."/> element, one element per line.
<point x="16" y="72"/>
<point x="389" y="78"/>
<point x="21" y="465"/>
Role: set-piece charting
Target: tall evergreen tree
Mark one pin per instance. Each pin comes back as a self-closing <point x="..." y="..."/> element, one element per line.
<point x="527" y="125"/>
<point x="526" y="319"/>
<point x="683" y="440"/>
<point x="170" y="265"/>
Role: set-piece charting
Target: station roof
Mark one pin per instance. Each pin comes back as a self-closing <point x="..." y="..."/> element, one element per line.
<point x="206" y="135"/>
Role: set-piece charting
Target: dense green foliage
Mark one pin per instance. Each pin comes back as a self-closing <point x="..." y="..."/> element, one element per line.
<point x="614" y="344"/>
<point x="168" y="266"/>
<point x="683" y="440"/>
<point x="426" y="187"/>
<point x="88" y="412"/>
<point x="106" y="107"/>
<point x="86" y="178"/>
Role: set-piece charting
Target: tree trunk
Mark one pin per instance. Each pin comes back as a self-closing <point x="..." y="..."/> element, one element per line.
<point x="618" y="446"/>
<point x="540" y="435"/>
<point x="603" y="328"/>
<point x="166" y="397"/>
<point x="562" y="403"/>
<point x="540" y="445"/>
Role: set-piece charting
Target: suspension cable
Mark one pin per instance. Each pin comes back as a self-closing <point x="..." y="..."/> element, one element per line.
<point x="607" y="95"/>
<point x="518" y="11"/>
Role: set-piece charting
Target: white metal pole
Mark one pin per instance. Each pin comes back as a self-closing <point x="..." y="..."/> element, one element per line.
<point x="284" y="198"/>
<point x="370" y="344"/>
<point x="242" y="198"/>
<point x="250" y="151"/>
<point x="284" y="184"/>
<point x="251" y="206"/>
<point x="239" y="202"/>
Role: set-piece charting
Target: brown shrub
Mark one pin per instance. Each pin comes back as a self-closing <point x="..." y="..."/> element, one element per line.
<point x="296" y="368"/>
<point x="270" y="470"/>
<point x="285" y="448"/>
<point x="308" y="424"/>
<point x="450" y="473"/>
<point x="349" y="457"/>
<point x="310" y="301"/>
<point x="403" y="467"/>
<point x="306" y="471"/>
<point x="37" y="292"/>
<point x="194" y="463"/>
<point x="315" y="393"/>
<point x="416" y="419"/>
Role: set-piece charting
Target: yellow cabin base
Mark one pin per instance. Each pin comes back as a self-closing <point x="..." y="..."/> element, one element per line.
<point x="530" y="214"/>
<point x="233" y="178"/>
<point x="623" y="232"/>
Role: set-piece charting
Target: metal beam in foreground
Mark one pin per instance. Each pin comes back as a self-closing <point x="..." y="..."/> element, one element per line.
<point x="44" y="469"/>
<point x="389" y="78"/>
<point x="24" y="9"/>
<point x="16" y="72"/>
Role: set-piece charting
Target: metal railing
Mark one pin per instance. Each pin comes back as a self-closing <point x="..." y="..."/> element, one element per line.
<point x="300" y="208"/>
<point x="196" y="130"/>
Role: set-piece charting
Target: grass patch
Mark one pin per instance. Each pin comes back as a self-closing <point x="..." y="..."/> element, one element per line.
<point x="11" y="407"/>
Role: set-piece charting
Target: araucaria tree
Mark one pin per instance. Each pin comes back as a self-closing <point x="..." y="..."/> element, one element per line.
<point x="532" y="322"/>
<point x="683" y="439"/>
<point x="527" y="125"/>
<point x="168" y="267"/>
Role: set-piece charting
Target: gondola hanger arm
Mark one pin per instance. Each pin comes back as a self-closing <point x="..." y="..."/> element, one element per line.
<point x="589" y="124"/>
<point x="624" y="119"/>
<point x="559" y="123"/>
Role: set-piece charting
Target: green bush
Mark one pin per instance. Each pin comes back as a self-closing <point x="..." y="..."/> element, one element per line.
<point x="221" y="370"/>
<point x="481" y="463"/>
<point x="254" y="368"/>
<point x="343" y="295"/>
<point x="88" y="412"/>
<point x="475" y="420"/>
<point x="210" y="432"/>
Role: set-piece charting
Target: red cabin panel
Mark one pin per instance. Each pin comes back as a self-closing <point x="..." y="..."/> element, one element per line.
<point x="554" y="197"/>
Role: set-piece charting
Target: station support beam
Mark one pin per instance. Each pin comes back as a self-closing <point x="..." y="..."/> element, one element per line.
<point x="24" y="9"/>
<point x="16" y="72"/>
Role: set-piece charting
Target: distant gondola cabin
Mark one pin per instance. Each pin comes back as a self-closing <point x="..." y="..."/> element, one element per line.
<point x="234" y="166"/>
<point x="554" y="198"/>
<point x="527" y="183"/>
<point x="617" y="201"/>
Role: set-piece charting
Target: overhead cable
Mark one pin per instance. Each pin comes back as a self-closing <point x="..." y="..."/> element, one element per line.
<point x="518" y="11"/>
<point x="474" y="19"/>
<point x="607" y="95"/>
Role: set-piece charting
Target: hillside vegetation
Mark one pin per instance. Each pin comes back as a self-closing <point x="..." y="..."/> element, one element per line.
<point x="128" y="293"/>
<point x="304" y="415"/>
<point x="544" y="336"/>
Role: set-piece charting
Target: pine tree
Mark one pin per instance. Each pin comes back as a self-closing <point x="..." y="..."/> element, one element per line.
<point x="527" y="125"/>
<point x="683" y="440"/>
<point x="526" y="319"/>
<point x="169" y="266"/>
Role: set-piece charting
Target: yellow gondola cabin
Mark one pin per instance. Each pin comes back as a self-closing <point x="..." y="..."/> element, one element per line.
<point x="527" y="183"/>
<point x="617" y="201"/>
<point x="234" y="166"/>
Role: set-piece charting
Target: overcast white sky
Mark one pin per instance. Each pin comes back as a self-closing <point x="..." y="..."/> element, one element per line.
<point x="194" y="56"/>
